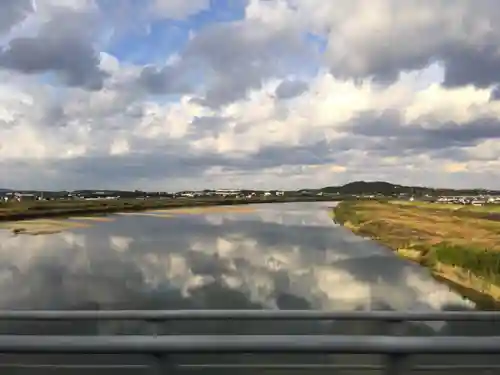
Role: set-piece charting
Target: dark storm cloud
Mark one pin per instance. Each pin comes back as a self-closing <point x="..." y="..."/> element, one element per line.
<point x="64" y="46"/>
<point x="290" y="88"/>
<point x="13" y="12"/>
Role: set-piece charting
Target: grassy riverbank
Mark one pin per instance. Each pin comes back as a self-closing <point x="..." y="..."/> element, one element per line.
<point x="459" y="244"/>
<point x="49" y="209"/>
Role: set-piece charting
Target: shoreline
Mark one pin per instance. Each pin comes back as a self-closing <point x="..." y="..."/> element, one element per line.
<point x="485" y="294"/>
<point x="64" y="209"/>
<point x="459" y="280"/>
<point x="50" y="219"/>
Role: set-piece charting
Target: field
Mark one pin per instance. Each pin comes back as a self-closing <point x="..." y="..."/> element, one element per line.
<point x="459" y="243"/>
<point x="46" y="209"/>
<point x="468" y="209"/>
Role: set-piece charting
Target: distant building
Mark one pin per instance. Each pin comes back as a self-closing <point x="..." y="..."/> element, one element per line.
<point x="19" y="197"/>
<point x="227" y="192"/>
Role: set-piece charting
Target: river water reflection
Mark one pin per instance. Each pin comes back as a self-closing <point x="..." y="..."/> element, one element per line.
<point x="286" y="256"/>
<point x="275" y="256"/>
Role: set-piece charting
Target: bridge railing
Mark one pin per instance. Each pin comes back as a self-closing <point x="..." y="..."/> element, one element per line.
<point x="159" y="348"/>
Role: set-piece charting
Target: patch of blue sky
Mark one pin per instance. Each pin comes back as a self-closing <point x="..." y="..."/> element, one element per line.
<point x="422" y="79"/>
<point x="165" y="98"/>
<point x="48" y="78"/>
<point x="309" y="65"/>
<point x="319" y="41"/>
<point x="166" y="37"/>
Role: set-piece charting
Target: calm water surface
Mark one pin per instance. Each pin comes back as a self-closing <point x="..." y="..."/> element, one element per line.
<point x="286" y="256"/>
<point x="277" y="256"/>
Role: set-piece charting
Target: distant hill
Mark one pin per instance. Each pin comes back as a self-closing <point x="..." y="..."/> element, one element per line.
<point x="357" y="187"/>
<point x="387" y="188"/>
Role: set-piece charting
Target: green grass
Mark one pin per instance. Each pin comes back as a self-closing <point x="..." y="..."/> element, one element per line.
<point x="481" y="262"/>
<point x="346" y="212"/>
<point x="487" y="208"/>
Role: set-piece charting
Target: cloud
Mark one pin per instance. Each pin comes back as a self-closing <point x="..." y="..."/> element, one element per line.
<point x="242" y="54"/>
<point x="290" y="88"/>
<point x="391" y="134"/>
<point x="206" y="125"/>
<point x="165" y="80"/>
<point x="178" y="9"/>
<point x="12" y="12"/>
<point x="62" y="45"/>
<point x="420" y="32"/>
<point x="262" y="93"/>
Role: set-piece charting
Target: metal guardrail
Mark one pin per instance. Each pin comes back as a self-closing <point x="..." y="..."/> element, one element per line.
<point x="395" y="348"/>
<point x="164" y="315"/>
<point x="259" y="344"/>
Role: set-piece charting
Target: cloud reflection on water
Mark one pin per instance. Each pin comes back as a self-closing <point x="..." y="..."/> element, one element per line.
<point x="279" y="256"/>
<point x="290" y="249"/>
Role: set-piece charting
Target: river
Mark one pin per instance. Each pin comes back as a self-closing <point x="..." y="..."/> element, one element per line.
<point x="286" y="256"/>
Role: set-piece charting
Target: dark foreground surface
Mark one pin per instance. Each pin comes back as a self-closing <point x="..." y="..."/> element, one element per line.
<point x="283" y="256"/>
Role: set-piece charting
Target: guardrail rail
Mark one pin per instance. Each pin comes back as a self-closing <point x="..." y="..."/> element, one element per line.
<point x="159" y="348"/>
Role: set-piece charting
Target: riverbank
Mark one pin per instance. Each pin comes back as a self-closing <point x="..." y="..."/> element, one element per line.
<point x="17" y="211"/>
<point x="459" y="244"/>
<point x="57" y="225"/>
<point x="41" y="226"/>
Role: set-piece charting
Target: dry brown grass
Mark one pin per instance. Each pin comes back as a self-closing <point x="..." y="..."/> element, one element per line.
<point x="407" y="223"/>
<point x="460" y="248"/>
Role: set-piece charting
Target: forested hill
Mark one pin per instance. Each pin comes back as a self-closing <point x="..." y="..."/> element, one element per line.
<point x="387" y="188"/>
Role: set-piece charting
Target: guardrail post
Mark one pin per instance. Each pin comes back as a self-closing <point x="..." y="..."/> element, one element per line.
<point x="395" y="364"/>
<point x="162" y="364"/>
<point x="395" y="327"/>
<point x="153" y="326"/>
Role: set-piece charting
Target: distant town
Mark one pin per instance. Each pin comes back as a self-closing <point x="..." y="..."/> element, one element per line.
<point x="354" y="190"/>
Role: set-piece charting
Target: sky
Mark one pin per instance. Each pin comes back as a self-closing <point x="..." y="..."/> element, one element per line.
<point x="193" y="94"/>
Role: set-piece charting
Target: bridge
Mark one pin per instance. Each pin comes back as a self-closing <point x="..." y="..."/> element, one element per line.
<point x="158" y="353"/>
